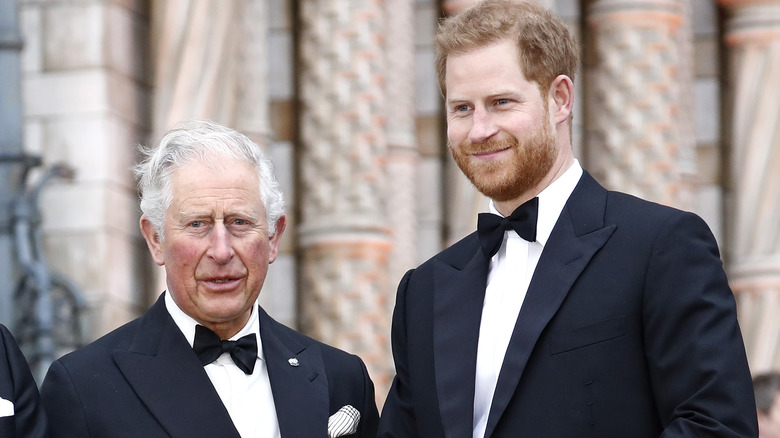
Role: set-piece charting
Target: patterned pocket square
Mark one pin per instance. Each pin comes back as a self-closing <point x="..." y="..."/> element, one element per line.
<point x="343" y="422"/>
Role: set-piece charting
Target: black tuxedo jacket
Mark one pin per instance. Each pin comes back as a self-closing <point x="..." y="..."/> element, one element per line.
<point x="18" y="386"/>
<point x="628" y="329"/>
<point x="144" y="380"/>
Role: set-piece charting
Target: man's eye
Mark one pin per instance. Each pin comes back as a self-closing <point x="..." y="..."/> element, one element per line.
<point x="502" y="101"/>
<point x="196" y="224"/>
<point x="240" y="222"/>
<point x="461" y="108"/>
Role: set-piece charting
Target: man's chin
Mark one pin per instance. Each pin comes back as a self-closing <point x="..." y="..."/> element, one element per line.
<point x="494" y="188"/>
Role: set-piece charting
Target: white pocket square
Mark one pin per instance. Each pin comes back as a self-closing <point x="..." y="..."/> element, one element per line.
<point x="7" y="408"/>
<point x="343" y="422"/>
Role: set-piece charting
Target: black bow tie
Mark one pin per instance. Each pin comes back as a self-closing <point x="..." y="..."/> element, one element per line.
<point x="491" y="227"/>
<point x="208" y="346"/>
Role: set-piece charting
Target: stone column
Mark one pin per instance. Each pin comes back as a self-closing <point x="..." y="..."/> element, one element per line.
<point x="344" y="233"/>
<point x="402" y="154"/>
<point x="753" y="42"/>
<point x="402" y="159"/>
<point x="210" y="63"/>
<point x="638" y="122"/>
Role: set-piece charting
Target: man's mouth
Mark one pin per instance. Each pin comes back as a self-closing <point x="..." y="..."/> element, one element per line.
<point x="490" y="152"/>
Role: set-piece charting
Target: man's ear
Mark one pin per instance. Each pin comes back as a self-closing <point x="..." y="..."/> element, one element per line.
<point x="281" y="224"/>
<point x="561" y="98"/>
<point x="152" y="240"/>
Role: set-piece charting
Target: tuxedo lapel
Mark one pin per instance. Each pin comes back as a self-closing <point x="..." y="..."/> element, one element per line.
<point x="298" y="380"/>
<point x="166" y="375"/>
<point x="459" y="291"/>
<point x="578" y="234"/>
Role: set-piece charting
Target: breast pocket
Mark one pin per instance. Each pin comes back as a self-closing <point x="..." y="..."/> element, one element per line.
<point x="588" y="335"/>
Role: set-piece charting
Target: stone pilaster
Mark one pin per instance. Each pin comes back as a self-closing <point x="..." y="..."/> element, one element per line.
<point x="344" y="235"/>
<point x="252" y="101"/>
<point x="403" y="155"/>
<point x="210" y="59"/>
<point x="638" y="134"/>
<point x="753" y="43"/>
<point x="402" y="164"/>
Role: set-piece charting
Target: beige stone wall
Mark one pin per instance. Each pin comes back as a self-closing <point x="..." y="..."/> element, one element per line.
<point x="85" y="91"/>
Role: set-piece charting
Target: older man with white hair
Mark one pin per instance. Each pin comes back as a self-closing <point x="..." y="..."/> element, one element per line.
<point x="206" y="360"/>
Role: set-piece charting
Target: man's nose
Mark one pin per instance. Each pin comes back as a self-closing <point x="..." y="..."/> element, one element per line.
<point x="221" y="248"/>
<point x="483" y="126"/>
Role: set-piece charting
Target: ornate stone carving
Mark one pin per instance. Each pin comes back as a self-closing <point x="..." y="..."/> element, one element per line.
<point x="638" y="133"/>
<point x="344" y="233"/>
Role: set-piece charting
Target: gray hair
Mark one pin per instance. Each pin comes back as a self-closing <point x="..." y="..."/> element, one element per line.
<point x="198" y="141"/>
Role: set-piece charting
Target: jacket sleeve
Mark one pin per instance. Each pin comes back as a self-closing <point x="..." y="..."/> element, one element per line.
<point x="369" y="413"/>
<point x="29" y="417"/>
<point x="698" y="366"/>
<point x="62" y="403"/>
<point x="398" y="417"/>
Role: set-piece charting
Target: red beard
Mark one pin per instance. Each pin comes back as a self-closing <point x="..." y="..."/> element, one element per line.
<point x="508" y="178"/>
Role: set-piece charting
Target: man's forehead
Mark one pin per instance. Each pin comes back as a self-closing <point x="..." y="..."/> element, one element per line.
<point x="233" y="200"/>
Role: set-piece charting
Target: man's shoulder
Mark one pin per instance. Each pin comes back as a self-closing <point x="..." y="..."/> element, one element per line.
<point x="458" y="253"/>
<point x="624" y="207"/>
<point x="103" y="347"/>
<point x="5" y="337"/>
<point x="148" y="326"/>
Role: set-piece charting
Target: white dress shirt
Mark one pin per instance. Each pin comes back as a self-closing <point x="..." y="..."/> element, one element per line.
<point x="511" y="269"/>
<point x="248" y="398"/>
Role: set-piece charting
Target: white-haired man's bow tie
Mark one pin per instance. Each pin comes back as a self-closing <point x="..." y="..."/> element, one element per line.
<point x="344" y="422"/>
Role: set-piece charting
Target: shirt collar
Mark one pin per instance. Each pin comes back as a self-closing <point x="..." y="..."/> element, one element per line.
<point x="551" y="201"/>
<point x="187" y="324"/>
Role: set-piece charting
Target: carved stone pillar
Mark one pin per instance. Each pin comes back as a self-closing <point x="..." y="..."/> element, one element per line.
<point x="638" y="136"/>
<point x="753" y="41"/>
<point x="344" y="234"/>
<point x="403" y="155"/>
<point x="250" y="114"/>
<point x="210" y="63"/>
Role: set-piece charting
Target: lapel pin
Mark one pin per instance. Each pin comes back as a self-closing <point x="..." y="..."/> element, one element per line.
<point x="293" y="362"/>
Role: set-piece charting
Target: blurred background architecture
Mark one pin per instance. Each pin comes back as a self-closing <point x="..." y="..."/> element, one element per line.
<point x="678" y="101"/>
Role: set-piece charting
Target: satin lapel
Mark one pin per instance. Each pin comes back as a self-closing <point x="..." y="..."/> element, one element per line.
<point x="459" y="292"/>
<point x="577" y="235"/>
<point x="300" y="392"/>
<point x="166" y="375"/>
